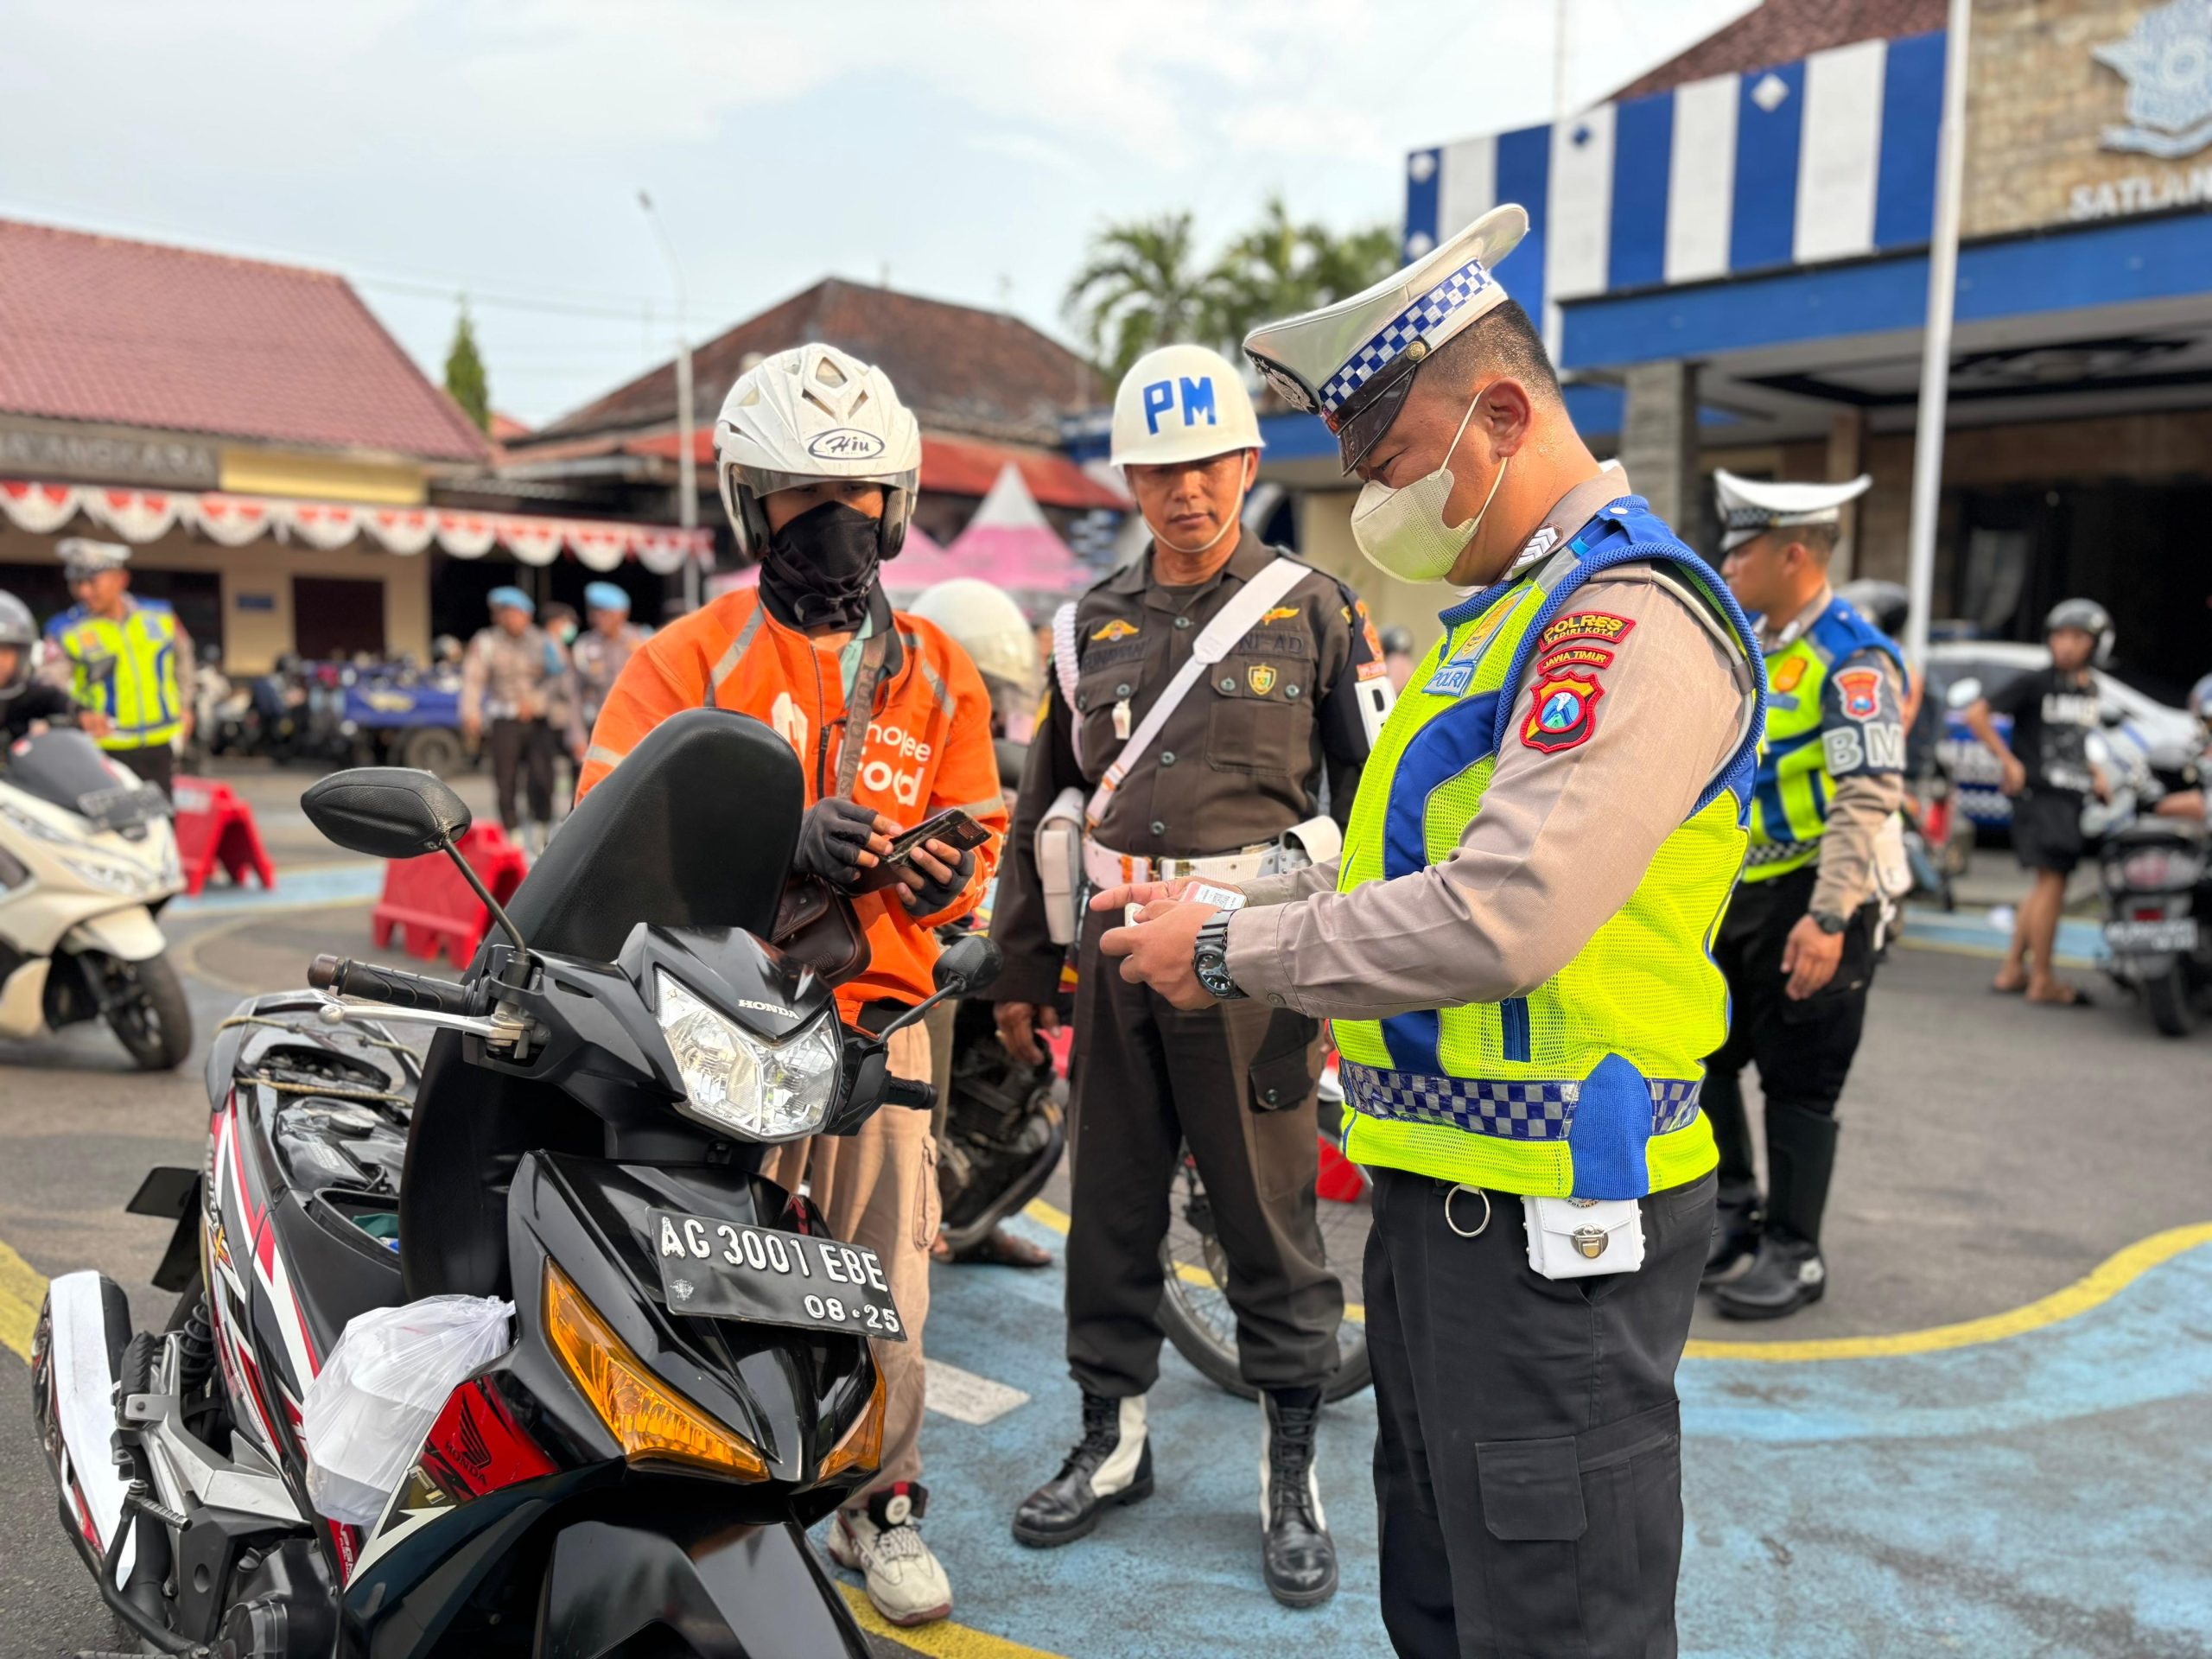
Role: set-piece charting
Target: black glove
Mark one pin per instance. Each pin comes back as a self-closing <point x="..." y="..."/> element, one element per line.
<point x="929" y="898"/>
<point x="831" y="837"/>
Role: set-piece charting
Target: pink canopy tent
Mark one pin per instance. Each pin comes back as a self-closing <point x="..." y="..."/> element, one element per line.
<point x="1009" y="544"/>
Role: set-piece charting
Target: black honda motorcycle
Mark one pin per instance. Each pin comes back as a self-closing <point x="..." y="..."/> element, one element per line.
<point x="690" y="1384"/>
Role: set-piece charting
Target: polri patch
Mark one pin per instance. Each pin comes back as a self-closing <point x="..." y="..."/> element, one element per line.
<point x="1861" y="688"/>
<point x="1601" y="625"/>
<point x="1565" y="714"/>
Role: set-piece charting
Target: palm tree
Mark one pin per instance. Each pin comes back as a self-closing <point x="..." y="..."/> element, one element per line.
<point x="1141" y="287"/>
<point x="1278" y="268"/>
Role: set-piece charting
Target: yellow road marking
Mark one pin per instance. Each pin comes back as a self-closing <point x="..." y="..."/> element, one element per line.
<point x="1057" y="1219"/>
<point x="22" y="1289"/>
<point x="943" y="1640"/>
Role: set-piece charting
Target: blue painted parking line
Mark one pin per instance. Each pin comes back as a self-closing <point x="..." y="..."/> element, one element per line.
<point x="356" y="881"/>
<point x="2080" y="944"/>
<point x="2032" y="1483"/>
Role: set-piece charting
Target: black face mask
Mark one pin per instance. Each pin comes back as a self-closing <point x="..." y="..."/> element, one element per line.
<point x="820" y="568"/>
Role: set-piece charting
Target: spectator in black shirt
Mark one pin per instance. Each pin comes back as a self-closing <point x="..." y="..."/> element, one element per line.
<point x="2048" y="773"/>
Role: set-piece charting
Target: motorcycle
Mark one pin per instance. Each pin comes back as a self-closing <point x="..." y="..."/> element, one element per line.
<point x="1005" y="1130"/>
<point x="690" y="1385"/>
<point x="2158" y="883"/>
<point x="87" y="859"/>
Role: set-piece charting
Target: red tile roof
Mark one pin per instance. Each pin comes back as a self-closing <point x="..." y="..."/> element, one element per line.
<point x="97" y="328"/>
<point x="1783" y="31"/>
<point x="959" y="368"/>
<point x="950" y="466"/>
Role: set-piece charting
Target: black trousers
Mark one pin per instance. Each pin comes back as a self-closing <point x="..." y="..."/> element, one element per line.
<point x="523" y="750"/>
<point x="156" y="764"/>
<point x="1235" y="1083"/>
<point x="1803" y="1050"/>
<point x="1527" y="1468"/>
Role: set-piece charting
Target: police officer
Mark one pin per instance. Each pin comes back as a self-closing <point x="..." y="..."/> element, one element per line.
<point x="600" y="653"/>
<point x="119" y="654"/>
<point x="1511" y="953"/>
<point x="514" y="677"/>
<point x="1800" y="940"/>
<point x="1203" y="698"/>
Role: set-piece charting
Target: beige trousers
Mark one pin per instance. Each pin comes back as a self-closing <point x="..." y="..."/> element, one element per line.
<point x="879" y="1188"/>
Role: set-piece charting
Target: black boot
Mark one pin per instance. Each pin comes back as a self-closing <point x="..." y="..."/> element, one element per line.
<point x="1787" y="1273"/>
<point x="1111" y="1465"/>
<point x="1297" y="1554"/>
<point x="1737" y="1217"/>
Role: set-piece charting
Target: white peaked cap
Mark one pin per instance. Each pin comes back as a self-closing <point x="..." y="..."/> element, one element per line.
<point x="1750" y="507"/>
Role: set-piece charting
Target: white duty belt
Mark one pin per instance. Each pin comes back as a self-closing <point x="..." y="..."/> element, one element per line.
<point x="1107" y="868"/>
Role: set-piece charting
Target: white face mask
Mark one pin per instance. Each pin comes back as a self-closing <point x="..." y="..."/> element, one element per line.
<point x="1405" y="531"/>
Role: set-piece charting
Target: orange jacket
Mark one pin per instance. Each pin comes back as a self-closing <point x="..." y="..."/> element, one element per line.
<point x="929" y="747"/>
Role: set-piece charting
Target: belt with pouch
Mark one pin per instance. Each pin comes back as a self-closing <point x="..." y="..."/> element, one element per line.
<point x="1104" y="868"/>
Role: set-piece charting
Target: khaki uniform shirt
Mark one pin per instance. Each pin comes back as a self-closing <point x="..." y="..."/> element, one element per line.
<point x="1243" y="757"/>
<point x="599" y="659"/>
<point x="1561" y="843"/>
<point x="513" y="676"/>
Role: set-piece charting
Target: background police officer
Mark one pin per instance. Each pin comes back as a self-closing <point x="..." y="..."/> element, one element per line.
<point x="120" y="655"/>
<point x="601" y="652"/>
<point x="1512" y="954"/>
<point x="513" y="677"/>
<point x="1240" y="759"/>
<point x="1799" y="943"/>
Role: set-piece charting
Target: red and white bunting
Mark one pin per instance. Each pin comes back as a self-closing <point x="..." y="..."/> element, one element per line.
<point x="601" y="546"/>
<point x="41" y="508"/>
<point x="325" y="524"/>
<point x="534" y="541"/>
<point x="467" y="535"/>
<point x="228" y="520"/>
<point x="135" y="515"/>
<point x="405" y="531"/>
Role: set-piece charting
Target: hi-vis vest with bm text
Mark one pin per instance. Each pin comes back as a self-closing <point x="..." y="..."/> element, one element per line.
<point x="128" y="671"/>
<point x="1789" y="798"/>
<point x="1587" y="1087"/>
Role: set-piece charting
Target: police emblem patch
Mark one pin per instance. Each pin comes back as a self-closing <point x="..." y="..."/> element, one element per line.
<point x="1782" y="676"/>
<point x="1861" y="690"/>
<point x="1565" y="712"/>
<point x="1601" y="625"/>
<point x="1117" y="629"/>
<point x="1260" y="677"/>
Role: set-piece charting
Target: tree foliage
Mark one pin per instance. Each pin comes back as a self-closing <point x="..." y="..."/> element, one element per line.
<point x="465" y="381"/>
<point x="1143" y="286"/>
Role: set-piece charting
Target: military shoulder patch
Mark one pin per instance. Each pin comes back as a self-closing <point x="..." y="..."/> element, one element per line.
<point x="1861" y="691"/>
<point x="1602" y="625"/>
<point x="1565" y="712"/>
<point x="1117" y="629"/>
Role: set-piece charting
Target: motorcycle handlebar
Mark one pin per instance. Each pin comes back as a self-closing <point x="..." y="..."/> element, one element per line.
<point x="903" y="1092"/>
<point x="393" y="985"/>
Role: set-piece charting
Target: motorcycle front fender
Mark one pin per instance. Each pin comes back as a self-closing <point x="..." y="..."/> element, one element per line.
<point x="130" y="934"/>
<point x="749" y="1591"/>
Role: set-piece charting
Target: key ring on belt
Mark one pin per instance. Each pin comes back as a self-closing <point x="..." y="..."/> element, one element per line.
<point x="1452" y="1221"/>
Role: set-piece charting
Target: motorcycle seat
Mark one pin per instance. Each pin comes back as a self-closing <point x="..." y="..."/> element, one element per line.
<point x="2145" y="832"/>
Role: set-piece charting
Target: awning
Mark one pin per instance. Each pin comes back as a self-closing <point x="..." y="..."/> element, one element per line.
<point x="950" y="466"/>
<point x="234" y="520"/>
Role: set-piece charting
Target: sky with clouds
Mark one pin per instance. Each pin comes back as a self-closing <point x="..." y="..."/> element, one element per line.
<point x="962" y="149"/>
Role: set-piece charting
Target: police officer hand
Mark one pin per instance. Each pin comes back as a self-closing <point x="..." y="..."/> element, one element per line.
<point x="1143" y="892"/>
<point x="1809" y="957"/>
<point x="92" y="723"/>
<point x="1019" y="1024"/>
<point x="934" y="877"/>
<point x="1157" y="952"/>
<point x="2012" y="775"/>
<point x="839" y="838"/>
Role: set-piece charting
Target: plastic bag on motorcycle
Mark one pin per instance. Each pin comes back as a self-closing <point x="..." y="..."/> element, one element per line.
<point x="369" y="1407"/>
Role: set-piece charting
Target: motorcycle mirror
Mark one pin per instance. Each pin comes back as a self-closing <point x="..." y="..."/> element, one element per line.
<point x="2113" y="715"/>
<point x="386" y="811"/>
<point x="967" y="965"/>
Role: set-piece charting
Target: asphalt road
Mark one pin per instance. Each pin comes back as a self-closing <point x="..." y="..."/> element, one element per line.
<point x="1993" y="1154"/>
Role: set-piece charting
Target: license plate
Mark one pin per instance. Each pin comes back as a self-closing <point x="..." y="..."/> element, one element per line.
<point x="2175" y="933"/>
<point x="727" y="1270"/>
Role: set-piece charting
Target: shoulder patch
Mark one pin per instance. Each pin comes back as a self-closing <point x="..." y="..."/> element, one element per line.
<point x="1601" y="625"/>
<point x="1565" y="712"/>
<point x="1576" y="657"/>
<point x="1861" y="691"/>
<point x="1116" y="629"/>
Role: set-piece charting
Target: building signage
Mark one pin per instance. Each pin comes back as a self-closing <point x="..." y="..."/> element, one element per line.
<point x="58" y="451"/>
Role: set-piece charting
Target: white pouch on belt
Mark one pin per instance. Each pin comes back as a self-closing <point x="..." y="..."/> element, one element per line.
<point x="1316" y="840"/>
<point x="1578" y="1238"/>
<point x="1059" y="864"/>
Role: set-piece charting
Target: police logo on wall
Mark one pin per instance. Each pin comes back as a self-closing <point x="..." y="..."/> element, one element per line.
<point x="2167" y="63"/>
<point x="1565" y="713"/>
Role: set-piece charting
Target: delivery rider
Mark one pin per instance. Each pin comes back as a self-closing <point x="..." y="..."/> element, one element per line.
<point x="1800" y="941"/>
<point x="1207" y="700"/>
<point x="1512" y="953"/>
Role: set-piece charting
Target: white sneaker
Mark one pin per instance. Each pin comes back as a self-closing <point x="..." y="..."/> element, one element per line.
<point x="883" y="1543"/>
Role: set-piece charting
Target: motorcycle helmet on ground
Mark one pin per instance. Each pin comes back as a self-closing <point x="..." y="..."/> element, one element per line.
<point x="19" y="629"/>
<point x="2090" y="618"/>
<point x="990" y="627"/>
<point x="806" y="416"/>
<point x="1881" y="603"/>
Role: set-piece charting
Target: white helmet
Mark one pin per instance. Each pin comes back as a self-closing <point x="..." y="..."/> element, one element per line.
<point x="986" y="625"/>
<point x="809" y="414"/>
<point x="1178" y="404"/>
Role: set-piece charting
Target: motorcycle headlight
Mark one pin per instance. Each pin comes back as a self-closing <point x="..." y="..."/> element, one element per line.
<point x="115" y="878"/>
<point x="765" y="1090"/>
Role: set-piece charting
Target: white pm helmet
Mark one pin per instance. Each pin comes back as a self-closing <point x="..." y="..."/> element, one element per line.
<point x="988" y="625"/>
<point x="1179" y="404"/>
<point x="809" y="414"/>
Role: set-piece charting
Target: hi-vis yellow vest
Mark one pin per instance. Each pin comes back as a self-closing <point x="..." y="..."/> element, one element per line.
<point x="1588" y="1086"/>
<point x="141" y="695"/>
<point x="1789" y="798"/>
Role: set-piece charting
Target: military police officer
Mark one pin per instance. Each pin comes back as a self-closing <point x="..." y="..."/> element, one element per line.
<point x="1800" y="940"/>
<point x="601" y="651"/>
<point x="1511" y="952"/>
<point x="1207" y="699"/>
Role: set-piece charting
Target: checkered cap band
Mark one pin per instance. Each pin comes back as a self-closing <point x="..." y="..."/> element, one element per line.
<point x="1409" y="325"/>
<point x="1515" y="1111"/>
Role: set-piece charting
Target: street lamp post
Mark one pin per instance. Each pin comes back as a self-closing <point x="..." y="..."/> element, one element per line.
<point x="686" y="473"/>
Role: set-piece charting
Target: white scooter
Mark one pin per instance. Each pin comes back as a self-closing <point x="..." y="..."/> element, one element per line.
<point x="86" y="857"/>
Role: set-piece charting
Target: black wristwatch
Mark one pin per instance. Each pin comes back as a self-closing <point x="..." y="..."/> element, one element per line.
<point x="1210" y="957"/>
<point x="1829" y="922"/>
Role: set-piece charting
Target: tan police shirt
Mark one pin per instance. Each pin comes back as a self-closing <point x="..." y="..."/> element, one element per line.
<point x="514" y="677"/>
